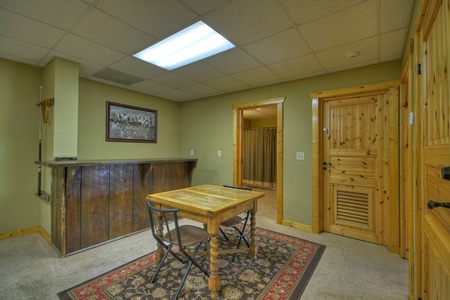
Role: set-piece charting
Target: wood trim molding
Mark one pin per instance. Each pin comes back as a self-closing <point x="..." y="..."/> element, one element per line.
<point x="237" y="142"/>
<point x="21" y="232"/>
<point x="297" y="225"/>
<point x="355" y="90"/>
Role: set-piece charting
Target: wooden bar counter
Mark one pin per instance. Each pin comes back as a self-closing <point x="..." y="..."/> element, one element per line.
<point x="95" y="201"/>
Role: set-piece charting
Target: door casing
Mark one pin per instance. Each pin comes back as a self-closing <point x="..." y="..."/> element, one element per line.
<point x="238" y="133"/>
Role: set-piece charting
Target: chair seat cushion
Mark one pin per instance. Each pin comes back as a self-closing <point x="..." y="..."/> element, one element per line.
<point x="190" y="235"/>
<point x="232" y="222"/>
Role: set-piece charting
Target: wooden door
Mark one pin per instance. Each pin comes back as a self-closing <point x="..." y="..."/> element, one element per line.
<point x="434" y="104"/>
<point x="353" y="150"/>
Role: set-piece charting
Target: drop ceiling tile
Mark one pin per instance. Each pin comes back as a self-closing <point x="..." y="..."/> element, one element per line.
<point x="257" y="77"/>
<point x="117" y="77"/>
<point x="353" y="66"/>
<point x="226" y="84"/>
<point x="158" y="18"/>
<point x="151" y="87"/>
<point x="199" y="72"/>
<point x="173" y="80"/>
<point x="297" y="67"/>
<point x="103" y="29"/>
<point x="200" y="89"/>
<point x="232" y="61"/>
<point x="395" y="14"/>
<point x="86" y="68"/>
<point x="356" y="23"/>
<point x="282" y="46"/>
<point x="90" y="51"/>
<point x="309" y="10"/>
<point x="60" y="13"/>
<point x="31" y="31"/>
<point x="337" y="57"/>
<point x="106" y="82"/>
<point x="177" y="95"/>
<point x="137" y="67"/>
<point x="393" y="43"/>
<point x="247" y="21"/>
<point x="21" y="51"/>
<point x="204" y="6"/>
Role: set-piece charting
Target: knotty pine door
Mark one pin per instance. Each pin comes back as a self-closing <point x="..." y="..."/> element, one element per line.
<point x="353" y="148"/>
<point x="434" y="130"/>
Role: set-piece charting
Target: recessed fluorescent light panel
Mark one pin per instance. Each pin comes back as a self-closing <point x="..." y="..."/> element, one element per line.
<point x="191" y="44"/>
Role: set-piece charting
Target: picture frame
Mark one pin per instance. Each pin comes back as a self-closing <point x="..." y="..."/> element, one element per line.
<point x="126" y="123"/>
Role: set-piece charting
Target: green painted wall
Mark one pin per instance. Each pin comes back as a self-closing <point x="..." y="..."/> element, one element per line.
<point x="19" y="123"/>
<point x="207" y="126"/>
<point x="92" y="122"/>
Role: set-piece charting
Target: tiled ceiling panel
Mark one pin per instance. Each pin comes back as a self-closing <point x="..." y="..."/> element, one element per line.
<point x="28" y="30"/>
<point x="356" y="23"/>
<point x="87" y="50"/>
<point x="246" y="21"/>
<point x="276" y="40"/>
<point x="106" y="30"/>
<point x="158" y="18"/>
<point x="390" y="19"/>
<point x="61" y="13"/>
<point x="233" y="61"/>
<point x="279" y="47"/>
<point x="135" y="67"/>
<point x="298" y="67"/>
<point x="258" y="77"/>
<point x="310" y="10"/>
<point x="341" y="56"/>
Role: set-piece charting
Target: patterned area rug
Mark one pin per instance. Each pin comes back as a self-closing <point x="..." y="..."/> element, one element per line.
<point x="281" y="271"/>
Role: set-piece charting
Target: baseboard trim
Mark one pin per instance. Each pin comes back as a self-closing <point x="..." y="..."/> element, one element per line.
<point x="297" y="225"/>
<point x="26" y="231"/>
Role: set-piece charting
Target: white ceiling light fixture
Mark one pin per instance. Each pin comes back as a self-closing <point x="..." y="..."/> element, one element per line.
<point x="191" y="44"/>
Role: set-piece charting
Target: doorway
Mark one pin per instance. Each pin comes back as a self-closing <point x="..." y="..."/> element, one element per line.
<point x="240" y="111"/>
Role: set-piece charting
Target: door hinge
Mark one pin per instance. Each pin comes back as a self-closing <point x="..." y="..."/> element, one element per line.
<point x="418" y="69"/>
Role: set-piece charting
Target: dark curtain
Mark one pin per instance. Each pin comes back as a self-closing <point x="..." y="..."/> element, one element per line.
<point x="260" y="155"/>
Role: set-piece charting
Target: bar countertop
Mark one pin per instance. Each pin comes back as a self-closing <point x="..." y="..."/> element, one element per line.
<point x="69" y="163"/>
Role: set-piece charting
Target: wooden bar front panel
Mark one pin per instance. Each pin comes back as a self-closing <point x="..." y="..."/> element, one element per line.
<point x="121" y="200"/>
<point x="92" y="204"/>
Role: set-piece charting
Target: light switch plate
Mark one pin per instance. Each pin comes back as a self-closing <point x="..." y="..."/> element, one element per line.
<point x="300" y="156"/>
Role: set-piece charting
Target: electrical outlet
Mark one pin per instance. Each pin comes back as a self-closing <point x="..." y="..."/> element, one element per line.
<point x="219" y="153"/>
<point x="191" y="152"/>
<point x="300" y="155"/>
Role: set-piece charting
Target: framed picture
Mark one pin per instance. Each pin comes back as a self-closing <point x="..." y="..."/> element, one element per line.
<point x="125" y="123"/>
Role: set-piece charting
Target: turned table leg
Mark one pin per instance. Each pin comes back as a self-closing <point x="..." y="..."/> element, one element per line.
<point x="253" y="246"/>
<point x="214" y="280"/>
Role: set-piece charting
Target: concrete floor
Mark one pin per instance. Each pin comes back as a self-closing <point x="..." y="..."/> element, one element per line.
<point x="349" y="269"/>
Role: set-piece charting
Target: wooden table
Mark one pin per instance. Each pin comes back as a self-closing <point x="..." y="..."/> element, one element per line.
<point x="211" y="205"/>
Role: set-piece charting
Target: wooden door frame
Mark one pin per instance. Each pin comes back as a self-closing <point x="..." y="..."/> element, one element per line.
<point x="238" y="132"/>
<point x="317" y="119"/>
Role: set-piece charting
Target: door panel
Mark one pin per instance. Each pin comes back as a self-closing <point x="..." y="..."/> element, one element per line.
<point x="352" y="143"/>
<point x="435" y="134"/>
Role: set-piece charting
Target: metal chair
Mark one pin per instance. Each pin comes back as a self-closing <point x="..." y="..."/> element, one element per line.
<point x="181" y="236"/>
<point x="235" y="221"/>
